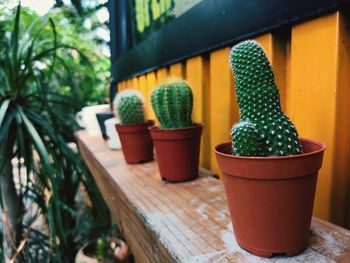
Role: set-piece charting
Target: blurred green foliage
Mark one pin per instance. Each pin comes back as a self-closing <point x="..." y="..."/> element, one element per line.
<point x="49" y="69"/>
<point x="85" y="77"/>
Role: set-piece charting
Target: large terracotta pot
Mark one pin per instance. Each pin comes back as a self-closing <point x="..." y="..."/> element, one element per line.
<point x="136" y="142"/>
<point x="271" y="198"/>
<point x="177" y="152"/>
<point x="121" y="253"/>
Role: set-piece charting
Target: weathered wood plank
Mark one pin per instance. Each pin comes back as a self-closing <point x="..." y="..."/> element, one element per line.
<point x="185" y="222"/>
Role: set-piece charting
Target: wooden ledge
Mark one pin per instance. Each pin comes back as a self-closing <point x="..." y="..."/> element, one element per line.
<point x="184" y="222"/>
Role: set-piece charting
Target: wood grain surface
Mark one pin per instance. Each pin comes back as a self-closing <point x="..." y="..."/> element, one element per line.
<point x="185" y="222"/>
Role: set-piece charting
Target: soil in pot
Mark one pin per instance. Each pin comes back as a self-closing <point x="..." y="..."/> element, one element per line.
<point x="137" y="145"/>
<point x="117" y="252"/>
<point x="177" y="152"/>
<point x="271" y="198"/>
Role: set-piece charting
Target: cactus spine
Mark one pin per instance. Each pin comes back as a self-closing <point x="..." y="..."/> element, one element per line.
<point x="129" y="107"/>
<point x="263" y="129"/>
<point x="172" y="102"/>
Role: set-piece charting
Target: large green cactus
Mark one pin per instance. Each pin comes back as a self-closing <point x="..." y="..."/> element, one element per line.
<point x="129" y="107"/>
<point x="263" y="129"/>
<point x="172" y="103"/>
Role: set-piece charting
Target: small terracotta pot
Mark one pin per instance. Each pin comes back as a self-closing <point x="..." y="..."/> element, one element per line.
<point x="122" y="253"/>
<point x="136" y="142"/>
<point x="271" y="198"/>
<point x="177" y="152"/>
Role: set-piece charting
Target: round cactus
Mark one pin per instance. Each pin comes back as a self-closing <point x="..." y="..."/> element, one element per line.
<point x="172" y="103"/>
<point x="129" y="107"/>
<point x="263" y="129"/>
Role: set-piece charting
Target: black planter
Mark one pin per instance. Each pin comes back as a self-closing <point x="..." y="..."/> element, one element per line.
<point x="101" y="118"/>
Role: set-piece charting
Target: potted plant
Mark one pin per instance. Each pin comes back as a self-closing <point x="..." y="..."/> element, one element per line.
<point x="104" y="250"/>
<point x="177" y="139"/>
<point x="133" y="130"/>
<point x="269" y="174"/>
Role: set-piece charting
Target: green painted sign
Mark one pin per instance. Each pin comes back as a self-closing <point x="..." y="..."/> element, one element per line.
<point x="149" y="16"/>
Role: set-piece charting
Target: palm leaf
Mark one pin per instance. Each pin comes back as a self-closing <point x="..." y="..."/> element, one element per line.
<point x="15" y="36"/>
<point x="3" y="109"/>
<point x="39" y="146"/>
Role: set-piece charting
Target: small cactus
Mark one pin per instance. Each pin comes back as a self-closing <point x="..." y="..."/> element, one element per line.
<point x="101" y="248"/>
<point x="172" y="102"/>
<point x="263" y="129"/>
<point x="129" y="107"/>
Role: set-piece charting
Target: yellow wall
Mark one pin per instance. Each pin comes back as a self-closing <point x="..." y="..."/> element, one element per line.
<point x="312" y="64"/>
<point x="197" y="74"/>
<point x="220" y="101"/>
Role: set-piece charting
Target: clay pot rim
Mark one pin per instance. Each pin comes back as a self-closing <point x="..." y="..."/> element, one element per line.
<point x="195" y="125"/>
<point x="175" y="134"/>
<point x="151" y="122"/>
<point x="134" y="128"/>
<point x="322" y="147"/>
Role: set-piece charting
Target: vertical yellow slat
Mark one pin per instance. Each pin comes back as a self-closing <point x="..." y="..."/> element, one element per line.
<point x="143" y="85"/>
<point x="311" y="102"/>
<point x="119" y="86"/>
<point x="266" y="42"/>
<point x="177" y="70"/>
<point x="162" y="74"/>
<point x="280" y="63"/>
<point x="122" y="85"/>
<point x="197" y="72"/>
<point x="340" y="205"/>
<point x="275" y="46"/>
<point x="151" y="82"/>
<point x="223" y="112"/>
<point x="129" y="84"/>
<point x="135" y="83"/>
<point x="143" y="89"/>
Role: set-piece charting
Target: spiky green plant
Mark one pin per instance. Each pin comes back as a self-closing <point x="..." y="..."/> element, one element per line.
<point x="263" y="129"/>
<point x="129" y="107"/>
<point x="172" y="102"/>
<point x="101" y="247"/>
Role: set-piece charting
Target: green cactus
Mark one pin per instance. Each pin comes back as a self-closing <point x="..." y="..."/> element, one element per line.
<point x="129" y="107"/>
<point x="263" y="129"/>
<point x="172" y="102"/>
<point x="101" y="248"/>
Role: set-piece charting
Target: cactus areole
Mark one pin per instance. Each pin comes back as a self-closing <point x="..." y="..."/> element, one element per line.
<point x="263" y="129"/>
<point x="172" y="102"/>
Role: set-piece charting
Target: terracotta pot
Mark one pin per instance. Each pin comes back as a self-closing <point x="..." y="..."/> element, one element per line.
<point x="271" y="198"/>
<point x="177" y="152"/>
<point x="136" y="142"/>
<point x="121" y="253"/>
